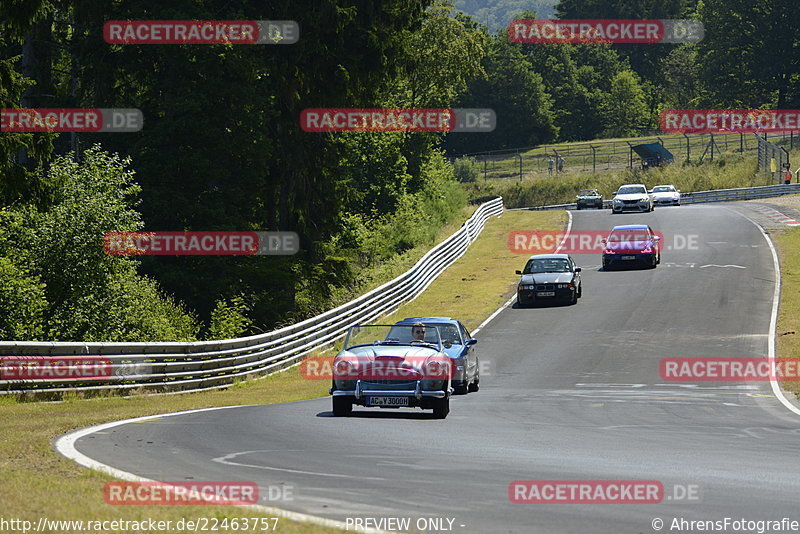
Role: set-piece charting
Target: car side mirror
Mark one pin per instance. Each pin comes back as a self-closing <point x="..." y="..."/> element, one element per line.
<point x="518" y="272"/>
<point x="471" y="341"/>
<point x="679" y="190"/>
<point x="577" y="269"/>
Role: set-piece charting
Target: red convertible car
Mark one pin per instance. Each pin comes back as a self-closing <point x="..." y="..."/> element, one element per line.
<point x="392" y="366"/>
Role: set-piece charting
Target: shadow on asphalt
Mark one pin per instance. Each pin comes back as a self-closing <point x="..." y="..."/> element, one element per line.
<point x="383" y="414"/>
<point x="553" y="304"/>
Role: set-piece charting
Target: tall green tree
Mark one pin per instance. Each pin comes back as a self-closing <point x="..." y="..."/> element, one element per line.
<point x="516" y="92"/>
<point x="750" y="55"/>
<point x="624" y="108"/>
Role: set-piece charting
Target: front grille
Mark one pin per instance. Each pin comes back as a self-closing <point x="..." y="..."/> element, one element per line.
<point x="545" y="287"/>
<point x="390" y="383"/>
<point x="630" y="201"/>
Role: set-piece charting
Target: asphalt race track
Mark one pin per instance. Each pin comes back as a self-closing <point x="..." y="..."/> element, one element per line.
<point x="574" y="394"/>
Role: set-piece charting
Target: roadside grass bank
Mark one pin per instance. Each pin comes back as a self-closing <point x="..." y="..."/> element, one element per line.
<point x="725" y="172"/>
<point x="787" y="335"/>
<point x="37" y="482"/>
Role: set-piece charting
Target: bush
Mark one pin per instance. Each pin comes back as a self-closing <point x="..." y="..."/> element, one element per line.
<point x="61" y="285"/>
<point x="466" y="169"/>
<point x="229" y="318"/>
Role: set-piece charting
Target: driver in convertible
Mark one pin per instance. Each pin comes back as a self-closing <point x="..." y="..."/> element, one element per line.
<point x="418" y="334"/>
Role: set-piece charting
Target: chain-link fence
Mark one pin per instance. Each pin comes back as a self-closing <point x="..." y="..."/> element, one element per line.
<point x="772" y="159"/>
<point x="599" y="156"/>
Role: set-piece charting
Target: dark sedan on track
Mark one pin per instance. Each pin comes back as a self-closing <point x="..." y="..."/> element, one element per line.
<point x="548" y="278"/>
<point x="631" y="245"/>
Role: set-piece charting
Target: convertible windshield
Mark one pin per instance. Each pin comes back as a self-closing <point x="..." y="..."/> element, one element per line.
<point x="448" y="332"/>
<point x="631" y="190"/>
<point x="556" y="265"/>
<point x="587" y="193"/>
<point x="663" y="189"/>
<point x="410" y="334"/>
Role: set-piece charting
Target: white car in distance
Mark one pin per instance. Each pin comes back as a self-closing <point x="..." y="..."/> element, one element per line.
<point x="632" y="197"/>
<point x="666" y="195"/>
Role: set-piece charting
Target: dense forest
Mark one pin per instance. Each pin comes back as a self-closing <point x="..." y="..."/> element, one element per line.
<point x="221" y="148"/>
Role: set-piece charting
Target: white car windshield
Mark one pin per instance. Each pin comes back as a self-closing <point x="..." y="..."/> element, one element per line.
<point x="664" y="189"/>
<point x="631" y="190"/>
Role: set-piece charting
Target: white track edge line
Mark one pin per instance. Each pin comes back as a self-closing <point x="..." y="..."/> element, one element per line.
<point x="65" y="445"/>
<point x="773" y="320"/>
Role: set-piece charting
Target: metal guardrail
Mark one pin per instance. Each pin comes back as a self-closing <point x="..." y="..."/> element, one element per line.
<point x="199" y="365"/>
<point x="698" y="197"/>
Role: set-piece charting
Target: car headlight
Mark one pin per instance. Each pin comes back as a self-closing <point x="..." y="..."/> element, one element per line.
<point x="643" y="199"/>
<point x="431" y="385"/>
<point x="436" y="370"/>
<point x="617" y="201"/>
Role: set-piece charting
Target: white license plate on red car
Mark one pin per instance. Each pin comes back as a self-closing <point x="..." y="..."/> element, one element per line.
<point x="387" y="401"/>
<point x="628" y="257"/>
<point x="546" y="294"/>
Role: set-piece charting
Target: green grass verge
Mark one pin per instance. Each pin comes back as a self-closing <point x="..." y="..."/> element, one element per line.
<point x="37" y="482"/>
<point x="787" y="243"/>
